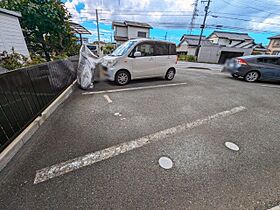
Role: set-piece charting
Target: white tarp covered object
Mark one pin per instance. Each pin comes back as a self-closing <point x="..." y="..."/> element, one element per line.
<point x="86" y="68"/>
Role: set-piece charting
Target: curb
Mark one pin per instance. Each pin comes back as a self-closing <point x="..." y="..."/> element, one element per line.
<point x="9" y="152"/>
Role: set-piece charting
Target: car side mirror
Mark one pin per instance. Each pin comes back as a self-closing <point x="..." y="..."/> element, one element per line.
<point x="137" y="54"/>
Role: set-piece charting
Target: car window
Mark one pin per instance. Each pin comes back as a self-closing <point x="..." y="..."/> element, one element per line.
<point x="146" y="49"/>
<point x="161" y="49"/>
<point x="122" y="49"/>
<point x="274" y="61"/>
<point x="172" y="49"/>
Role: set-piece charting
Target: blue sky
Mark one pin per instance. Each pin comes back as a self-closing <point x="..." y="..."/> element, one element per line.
<point x="260" y="19"/>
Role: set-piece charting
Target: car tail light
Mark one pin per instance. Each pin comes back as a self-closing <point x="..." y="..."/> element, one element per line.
<point x="241" y="61"/>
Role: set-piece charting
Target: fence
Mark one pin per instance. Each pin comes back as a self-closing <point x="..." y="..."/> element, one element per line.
<point x="26" y="92"/>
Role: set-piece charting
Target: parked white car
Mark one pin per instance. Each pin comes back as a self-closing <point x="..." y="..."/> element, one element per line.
<point x="141" y="58"/>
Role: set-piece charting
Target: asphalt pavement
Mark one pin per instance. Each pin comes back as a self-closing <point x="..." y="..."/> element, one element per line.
<point x="188" y="122"/>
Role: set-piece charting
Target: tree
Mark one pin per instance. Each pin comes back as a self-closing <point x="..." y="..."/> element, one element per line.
<point x="108" y="49"/>
<point x="45" y="25"/>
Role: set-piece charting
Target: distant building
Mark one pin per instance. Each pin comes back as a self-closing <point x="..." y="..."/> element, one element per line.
<point x="101" y="44"/>
<point x="126" y="30"/>
<point x="219" y="46"/>
<point x="231" y="39"/>
<point x="188" y="44"/>
<point x="85" y="40"/>
<point x="11" y="36"/>
<point x="259" y="49"/>
<point x="231" y="44"/>
<point x="274" y="45"/>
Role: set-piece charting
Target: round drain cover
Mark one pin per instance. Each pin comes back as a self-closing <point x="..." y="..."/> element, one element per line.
<point x="231" y="146"/>
<point x="165" y="162"/>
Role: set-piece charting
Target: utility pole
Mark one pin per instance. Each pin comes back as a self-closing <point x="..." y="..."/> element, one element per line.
<point x="97" y="26"/>
<point x="195" y="10"/>
<point x="202" y="27"/>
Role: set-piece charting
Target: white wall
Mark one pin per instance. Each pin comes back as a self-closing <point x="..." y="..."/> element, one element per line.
<point x="214" y="40"/>
<point x="133" y="32"/>
<point x="234" y="43"/>
<point x="209" y="54"/>
<point x="11" y="35"/>
<point x="185" y="48"/>
<point x="222" y="41"/>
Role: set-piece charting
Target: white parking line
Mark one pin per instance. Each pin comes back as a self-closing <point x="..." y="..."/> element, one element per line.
<point x="134" y="88"/>
<point x="271" y="86"/>
<point x="108" y="99"/>
<point x="91" y="158"/>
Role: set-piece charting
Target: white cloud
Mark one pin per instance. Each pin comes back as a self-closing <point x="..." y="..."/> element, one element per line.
<point x="180" y="5"/>
<point x="270" y="23"/>
<point x="155" y="15"/>
<point x="109" y="10"/>
<point x="71" y="7"/>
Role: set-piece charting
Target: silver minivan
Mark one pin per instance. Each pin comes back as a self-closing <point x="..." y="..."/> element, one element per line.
<point x="141" y="58"/>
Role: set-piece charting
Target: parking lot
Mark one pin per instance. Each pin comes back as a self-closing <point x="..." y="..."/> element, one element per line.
<point x="101" y="149"/>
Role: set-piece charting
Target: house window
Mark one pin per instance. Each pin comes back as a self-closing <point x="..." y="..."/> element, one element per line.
<point x="275" y="52"/>
<point x="142" y="34"/>
<point x="276" y="42"/>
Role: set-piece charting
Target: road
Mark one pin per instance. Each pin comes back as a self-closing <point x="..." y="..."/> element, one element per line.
<point x="113" y="141"/>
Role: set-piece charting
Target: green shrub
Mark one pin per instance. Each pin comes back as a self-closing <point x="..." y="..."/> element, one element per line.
<point x="184" y="57"/>
<point x="108" y="49"/>
<point x="190" y="58"/>
<point x="13" y="61"/>
<point x="36" y="59"/>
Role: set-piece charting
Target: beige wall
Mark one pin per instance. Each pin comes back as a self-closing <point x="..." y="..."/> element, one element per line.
<point x="272" y="48"/>
<point x="133" y="32"/>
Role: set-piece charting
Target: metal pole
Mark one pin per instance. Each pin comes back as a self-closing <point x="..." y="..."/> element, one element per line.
<point x="97" y="26"/>
<point x="202" y="28"/>
<point x="81" y="39"/>
<point x="195" y="4"/>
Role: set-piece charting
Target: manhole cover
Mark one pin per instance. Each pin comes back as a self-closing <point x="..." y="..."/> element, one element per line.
<point x="231" y="146"/>
<point x="165" y="162"/>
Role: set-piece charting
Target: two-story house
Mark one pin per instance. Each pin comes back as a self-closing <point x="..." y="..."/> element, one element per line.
<point x="230" y="44"/>
<point x="126" y="30"/>
<point x="274" y="45"/>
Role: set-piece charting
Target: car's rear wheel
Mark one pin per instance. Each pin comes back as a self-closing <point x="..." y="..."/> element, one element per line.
<point x="122" y="77"/>
<point x="170" y="74"/>
<point x="252" y="76"/>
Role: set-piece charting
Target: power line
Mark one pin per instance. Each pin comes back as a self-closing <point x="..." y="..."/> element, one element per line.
<point x="246" y="20"/>
<point x="248" y="6"/>
<point x="239" y="28"/>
